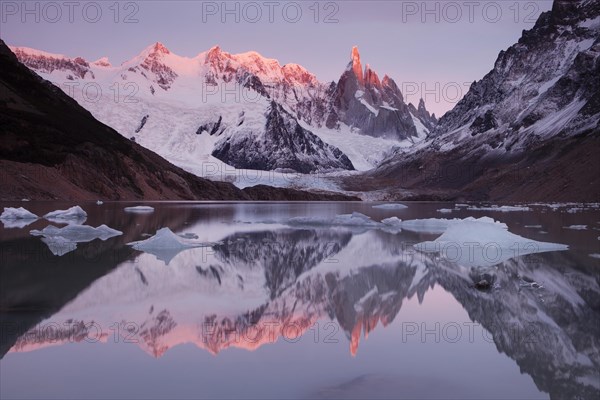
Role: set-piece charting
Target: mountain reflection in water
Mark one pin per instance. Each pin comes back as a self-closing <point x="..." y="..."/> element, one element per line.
<point x="263" y="283"/>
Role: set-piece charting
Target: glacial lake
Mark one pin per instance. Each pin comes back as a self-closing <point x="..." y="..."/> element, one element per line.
<point x="255" y="306"/>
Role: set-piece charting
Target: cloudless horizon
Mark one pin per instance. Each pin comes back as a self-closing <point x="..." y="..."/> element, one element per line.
<point x="433" y="50"/>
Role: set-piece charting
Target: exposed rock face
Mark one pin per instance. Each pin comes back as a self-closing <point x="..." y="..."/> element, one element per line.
<point x="163" y="75"/>
<point x="428" y="120"/>
<point x="284" y="144"/>
<point x="550" y="330"/>
<point x="48" y="63"/>
<point x="545" y="85"/>
<point x="529" y="130"/>
<point x="374" y="107"/>
<point x="52" y="148"/>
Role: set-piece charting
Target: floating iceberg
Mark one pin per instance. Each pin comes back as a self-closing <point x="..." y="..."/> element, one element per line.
<point x="355" y="219"/>
<point x="576" y="227"/>
<point x="165" y="245"/>
<point x="17" y="213"/>
<point x="439" y="225"/>
<point x="393" y="222"/>
<point x="594" y="255"/>
<point x="17" y="217"/>
<point x="99" y="202"/>
<point x="444" y="210"/>
<point x="58" y="245"/>
<point x="17" y="223"/>
<point x="391" y="206"/>
<point x="60" y="241"/>
<point x="78" y="233"/>
<point x="500" y="208"/>
<point x="73" y="213"/>
<point x="479" y="242"/>
<point x="140" y="209"/>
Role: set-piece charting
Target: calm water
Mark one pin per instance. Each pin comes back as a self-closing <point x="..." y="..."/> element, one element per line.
<point x="271" y="310"/>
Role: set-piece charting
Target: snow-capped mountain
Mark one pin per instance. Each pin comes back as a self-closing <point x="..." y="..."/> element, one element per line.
<point x="545" y="85"/>
<point x="257" y="283"/>
<point x="421" y="113"/>
<point x="376" y="107"/>
<point x="51" y="147"/>
<point x="221" y="111"/>
<point x="529" y="130"/>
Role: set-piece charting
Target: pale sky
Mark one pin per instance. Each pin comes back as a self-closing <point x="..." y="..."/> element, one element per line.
<point x="432" y="49"/>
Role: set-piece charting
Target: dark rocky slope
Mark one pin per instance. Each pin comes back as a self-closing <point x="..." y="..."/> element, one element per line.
<point x="528" y="131"/>
<point x="52" y="148"/>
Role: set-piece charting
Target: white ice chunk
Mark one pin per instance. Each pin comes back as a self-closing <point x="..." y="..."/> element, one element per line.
<point x="576" y="227"/>
<point x="476" y="243"/>
<point x="17" y="223"/>
<point x="500" y="208"/>
<point x="78" y="233"/>
<point x="165" y="245"/>
<point x="73" y="213"/>
<point x="354" y="219"/>
<point x="11" y="213"/>
<point x="391" y="206"/>
<point x="444" y="210"/>
<point x="139" y="209"/>
<point x="393" y="222"/>
<point x="60" y="241"/>
<point x="58" y="245"/>
<point x="595" y="255"/>
<point x="439" y="225"/>
<point x="99" y="202"/>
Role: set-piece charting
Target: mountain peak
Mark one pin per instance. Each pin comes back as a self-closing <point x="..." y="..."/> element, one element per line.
<point x="371" y="77"/>
<point x="158" y="47"/>
<point x="355" y="53"/>
<point x="215" y="49"/>
<point x="355" y="64"/>
<point x="102" y="62"/>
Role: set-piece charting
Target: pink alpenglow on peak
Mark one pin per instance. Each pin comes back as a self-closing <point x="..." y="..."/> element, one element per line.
<point x="355" y="64"/>
<point x="102" y="62"/>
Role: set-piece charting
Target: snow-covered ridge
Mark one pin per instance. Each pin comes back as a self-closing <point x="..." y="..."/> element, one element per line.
<point x="187" y="109"/>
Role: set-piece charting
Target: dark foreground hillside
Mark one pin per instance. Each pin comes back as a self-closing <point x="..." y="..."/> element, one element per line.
<point x="52" y="148"/>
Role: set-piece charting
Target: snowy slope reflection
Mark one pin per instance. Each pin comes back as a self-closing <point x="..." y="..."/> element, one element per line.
<point x="258" y="285"/>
